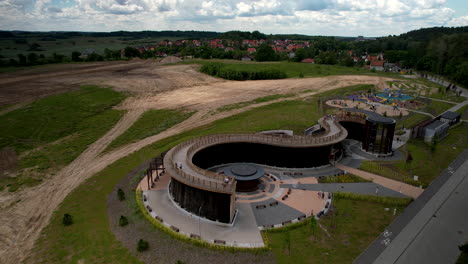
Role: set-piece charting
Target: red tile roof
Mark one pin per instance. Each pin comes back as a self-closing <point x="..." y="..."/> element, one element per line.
<point x="377" y="63"/>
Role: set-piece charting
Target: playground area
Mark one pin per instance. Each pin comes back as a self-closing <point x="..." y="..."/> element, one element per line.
<point x="389" y="102"/>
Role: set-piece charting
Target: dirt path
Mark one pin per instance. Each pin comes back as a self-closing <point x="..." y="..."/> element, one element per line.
<point x="26" y="213"/>
<point x="23" y="221"/>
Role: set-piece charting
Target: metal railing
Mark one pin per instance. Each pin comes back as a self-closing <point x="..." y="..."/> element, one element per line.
<point x="212" y="181"/>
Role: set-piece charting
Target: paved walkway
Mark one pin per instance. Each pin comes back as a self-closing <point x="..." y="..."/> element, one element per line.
<point x="367" y="188"/>
<point x="401" y="187"/>
<point x="445" y="101"/>
<point x="434" y="233"/>
<point x="421" y="112"/>
<point x="377" y="247"/>
<point x="458" y="106"/>
<point x="244" y="232"/>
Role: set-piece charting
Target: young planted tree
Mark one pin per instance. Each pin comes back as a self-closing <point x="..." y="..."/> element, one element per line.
<point x="142" y="245"/>
<point x="120" y="194"/>
<point x="67" y="219"/>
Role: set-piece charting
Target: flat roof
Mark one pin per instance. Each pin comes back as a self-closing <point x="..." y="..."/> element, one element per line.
<point x="436" y="124"/>
<point x="450" y="115"/>
<point x="372" y="116"/>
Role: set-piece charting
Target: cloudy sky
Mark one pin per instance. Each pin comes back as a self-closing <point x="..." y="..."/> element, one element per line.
<point x="311" y="17"/>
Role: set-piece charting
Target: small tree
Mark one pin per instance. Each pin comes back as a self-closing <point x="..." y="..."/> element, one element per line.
<point x="433" y="145"/>
<point x="409" y="158"/>
<point x="67" y="219"/>
<point x="123" y="221"/>
<point x="313" y="224"/>
<point x="120" y="194"/>
<point x="142" y="245"/>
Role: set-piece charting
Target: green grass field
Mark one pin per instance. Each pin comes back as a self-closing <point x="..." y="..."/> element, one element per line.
<point x="150" y="123"/>
<point x="53" y="131"/>
<point x="437" y="107"/>
<point x="411" y="120"/>
<point x="251" y="102"/>
<point x="89" y="239"/>
<point x="10" y="49"/>
<point x="349" y="230"/>
<point x="427" y="163"/>
<point x="294" y="69"/>
<point x="345" y="178"/>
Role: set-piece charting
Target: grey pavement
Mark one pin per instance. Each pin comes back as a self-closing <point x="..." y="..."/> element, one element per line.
<point x="244" y="231"/>
<point x="458" y="106"/>
<point x="445" y="101"/>
<point x="376" y="248"/>
<point x="433" y="235"/>
<point x="421" y="112"/>
<point x="368" y="188"/>
<point x="272" y="215"/>
<point x="353" y="149"/>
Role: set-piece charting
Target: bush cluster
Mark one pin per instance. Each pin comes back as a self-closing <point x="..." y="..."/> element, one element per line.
<point x="221" y="71"/>
<point x="142" y="245"/>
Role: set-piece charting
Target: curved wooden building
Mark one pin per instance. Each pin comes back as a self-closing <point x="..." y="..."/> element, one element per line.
<point x="212" y="195"/>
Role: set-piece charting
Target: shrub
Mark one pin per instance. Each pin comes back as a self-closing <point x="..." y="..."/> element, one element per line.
<point x="120" y="194"/>
<point x="123" y="221"/>
<point x="142" y="245"/>
<point x="67" y="219"/>
<point x="220" y="70"/>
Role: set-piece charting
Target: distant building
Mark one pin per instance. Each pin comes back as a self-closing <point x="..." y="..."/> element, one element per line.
<point x="377" y="65"/>
<point x="450" y="118"/>
<point x="435" y="131"/>
<point x="391" y="67"/>
<point x="87" y="52"/>
<point x="246" y="58"/>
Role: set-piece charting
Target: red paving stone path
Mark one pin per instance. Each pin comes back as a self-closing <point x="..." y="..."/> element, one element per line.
<point x="401" y="187"/>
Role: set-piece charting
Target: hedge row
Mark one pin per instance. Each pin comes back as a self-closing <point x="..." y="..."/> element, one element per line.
<point x="221" y="71"/>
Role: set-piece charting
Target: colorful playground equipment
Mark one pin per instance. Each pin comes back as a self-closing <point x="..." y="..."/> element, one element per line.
<point x="386" y="97"/>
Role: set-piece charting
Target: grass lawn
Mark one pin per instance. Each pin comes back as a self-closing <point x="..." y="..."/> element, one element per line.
<point x="345" y="178"/>
<point x="150" y="123"/>
<point x="53" y="131"/>
<point x="437" y="107"/>
<point x="90" y="239"/>
<point x="294" y="69"/>
<point x="251" y="102"/>
<point x="426" y="164"/>
<point x="411" y="120"/>
<point x="351" y="227"/>
<point x="463" y="112"/>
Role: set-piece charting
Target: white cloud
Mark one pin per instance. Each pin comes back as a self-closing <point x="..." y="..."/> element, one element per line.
<point x="313" y="17"/>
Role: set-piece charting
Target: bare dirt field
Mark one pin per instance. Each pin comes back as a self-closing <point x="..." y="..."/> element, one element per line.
<point x="25" y="213"/>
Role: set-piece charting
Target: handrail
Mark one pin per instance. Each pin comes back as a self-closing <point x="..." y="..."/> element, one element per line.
<point x="216" y="182"/>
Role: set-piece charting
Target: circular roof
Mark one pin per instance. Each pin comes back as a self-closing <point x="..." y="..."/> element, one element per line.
<point x="244" y="171"/>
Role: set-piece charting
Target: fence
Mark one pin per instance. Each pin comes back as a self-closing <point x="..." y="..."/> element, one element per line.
<point x="209" y="180"/>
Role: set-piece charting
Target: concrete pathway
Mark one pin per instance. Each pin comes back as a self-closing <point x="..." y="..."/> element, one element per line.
<point x="401" y="187"/>
<point x="367" y="188"/>
<point x="440" y="226"/>
<point x="458" y="106"/>
<point x="421" y="112"/>
<point x="244" y="232"/>
<point x="445" y="101"/>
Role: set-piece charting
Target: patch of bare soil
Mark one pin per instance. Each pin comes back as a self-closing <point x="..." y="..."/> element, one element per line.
<point x="24" y="214"/>
<point x="170" y="59"/>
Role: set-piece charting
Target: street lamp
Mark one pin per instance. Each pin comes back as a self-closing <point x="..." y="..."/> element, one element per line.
<point x="199" y="220"/>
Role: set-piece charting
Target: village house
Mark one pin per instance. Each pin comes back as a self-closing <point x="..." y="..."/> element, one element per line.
<point x="377" y="65"/>
<point x="308" y="60"/>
